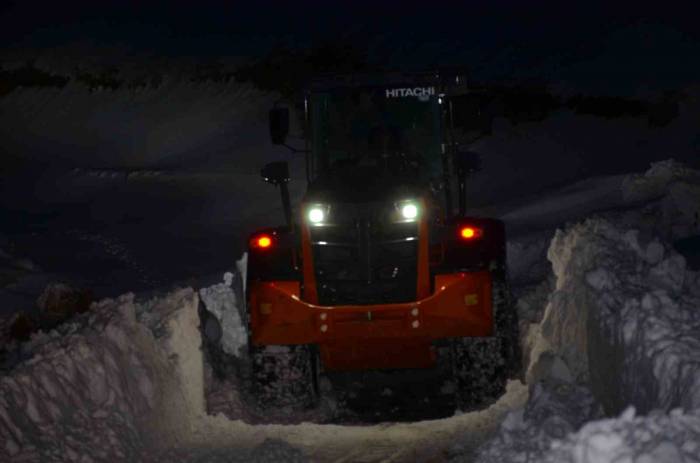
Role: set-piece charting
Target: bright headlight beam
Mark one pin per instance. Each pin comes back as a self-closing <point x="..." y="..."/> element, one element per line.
<point x="316" y="215"/>
<point x="409" y="211"/>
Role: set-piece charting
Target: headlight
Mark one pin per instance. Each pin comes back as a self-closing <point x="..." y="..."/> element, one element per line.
<point x="407" y="211"/>
<point x="317" y="214"/>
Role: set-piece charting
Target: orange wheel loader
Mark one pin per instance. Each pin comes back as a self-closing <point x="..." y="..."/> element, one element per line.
<point x="375" y="269"/>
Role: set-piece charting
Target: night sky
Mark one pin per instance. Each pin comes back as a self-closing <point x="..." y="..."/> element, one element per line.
<point x="608" y="49"/>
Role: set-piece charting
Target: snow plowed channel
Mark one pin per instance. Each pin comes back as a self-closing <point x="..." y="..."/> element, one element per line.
<point x="126" y="383"/>
<point x="619" y="336"/>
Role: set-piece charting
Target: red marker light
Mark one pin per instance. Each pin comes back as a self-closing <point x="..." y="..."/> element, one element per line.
<point x="261" y="241"/>
<point x="467" y="232"/>
<point x="470" y="233"/>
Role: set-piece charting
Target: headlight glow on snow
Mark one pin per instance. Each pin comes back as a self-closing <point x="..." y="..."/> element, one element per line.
<point x="316" y="214"/>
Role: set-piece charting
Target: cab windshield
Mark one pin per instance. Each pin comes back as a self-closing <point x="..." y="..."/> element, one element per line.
<point x="377" y="130"/>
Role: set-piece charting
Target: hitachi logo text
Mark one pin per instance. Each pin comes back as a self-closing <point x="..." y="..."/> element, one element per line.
<point x="406" y="92"/>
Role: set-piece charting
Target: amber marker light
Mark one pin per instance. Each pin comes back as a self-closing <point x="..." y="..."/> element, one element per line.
<point x="469" y="233"/>
<point x="261" y="242"/>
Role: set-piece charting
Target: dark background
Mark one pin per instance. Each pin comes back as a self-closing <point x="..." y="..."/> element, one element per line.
<point x="589" y="45"/>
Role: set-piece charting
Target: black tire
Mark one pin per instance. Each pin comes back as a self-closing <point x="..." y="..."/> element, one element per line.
<point x="482" y="366"/>
<point x="284" y="376"/>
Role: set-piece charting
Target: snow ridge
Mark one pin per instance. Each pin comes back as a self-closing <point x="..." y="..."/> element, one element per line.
<point x="86" y="390"/>
<point x="621" y="330"/>
<point x="643" y="321"/>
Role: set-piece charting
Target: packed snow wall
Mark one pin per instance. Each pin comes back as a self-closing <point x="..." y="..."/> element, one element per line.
<point x="619" y="335"/>
<point x="627" y="305"/>
<point x="93" y="387"/>
<point x="123" y="382"/>
<point x="625" y="300"/>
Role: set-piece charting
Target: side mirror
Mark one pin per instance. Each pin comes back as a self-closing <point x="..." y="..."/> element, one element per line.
<point x="279" y="125"/>
<point x="276" y="173"/>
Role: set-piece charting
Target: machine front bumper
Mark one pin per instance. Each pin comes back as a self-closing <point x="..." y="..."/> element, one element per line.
<point x="459" y="306"/>
<point x="373" y="336"/>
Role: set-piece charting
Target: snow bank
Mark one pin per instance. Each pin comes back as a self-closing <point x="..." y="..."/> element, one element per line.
<point x="123" y="382"/>
<point x="657" y="437"/>
<point x="554" y="410"/>
<point x="619" y="333"/>
<point x="627" y="305"/>
<point x="621" y="329"/>
<point x="546" y="431"/>
<point x="90" y="389"/>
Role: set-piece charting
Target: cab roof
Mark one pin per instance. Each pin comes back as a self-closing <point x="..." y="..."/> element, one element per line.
<point x="437" y="78"/>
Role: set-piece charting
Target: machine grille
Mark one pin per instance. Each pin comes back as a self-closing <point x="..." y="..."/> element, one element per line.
<point x="364" y="258"/>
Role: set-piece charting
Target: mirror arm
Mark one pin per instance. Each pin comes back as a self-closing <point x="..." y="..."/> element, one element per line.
<point x="286" y="205"/>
